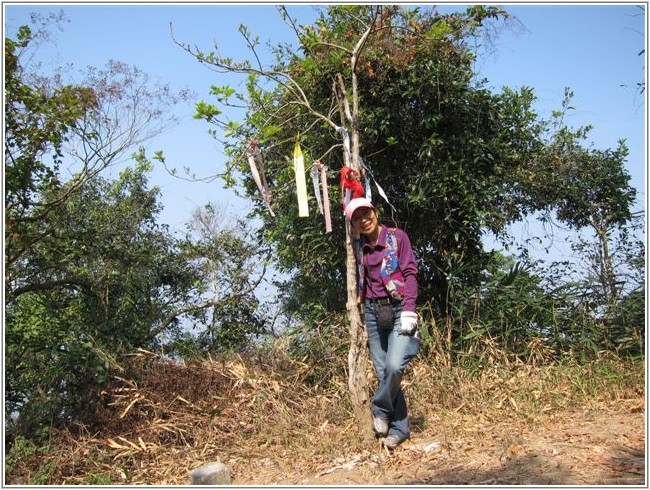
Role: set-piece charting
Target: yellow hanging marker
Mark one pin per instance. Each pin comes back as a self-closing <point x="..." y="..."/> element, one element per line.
<point x="301" y="182"/>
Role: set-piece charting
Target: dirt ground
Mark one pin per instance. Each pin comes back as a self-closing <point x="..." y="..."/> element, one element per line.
<point x="270" y="429"/>
<point x="595" y="446"/>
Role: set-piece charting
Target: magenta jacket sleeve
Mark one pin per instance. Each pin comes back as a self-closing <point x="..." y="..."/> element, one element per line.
<point x="409" y="267"/>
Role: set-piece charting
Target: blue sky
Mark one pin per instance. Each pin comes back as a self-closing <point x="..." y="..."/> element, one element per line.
<point x="591" y="48"/>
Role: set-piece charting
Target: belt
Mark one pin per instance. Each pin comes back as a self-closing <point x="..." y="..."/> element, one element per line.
<point x="381" y="301"/>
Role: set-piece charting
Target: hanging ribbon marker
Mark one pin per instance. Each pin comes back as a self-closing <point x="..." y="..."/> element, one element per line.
<point x="346" y="142"/>
<point x="367" y="180"/>
<point x="257" y="169"/>
<point x="326" y="198"/>
<point x="301" y="183"/>
<point x="379" y="189"/>
<point x="315" y="177"/>
<point x="324" y="204"/>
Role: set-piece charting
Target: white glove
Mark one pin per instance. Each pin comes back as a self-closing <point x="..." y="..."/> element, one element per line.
<point x="409" y="321"/>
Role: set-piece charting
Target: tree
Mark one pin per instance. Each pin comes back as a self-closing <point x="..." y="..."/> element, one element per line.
<point x="614" y="273"/>
<point x="396" y="87"/>
<point x="35" y="123"/>
<point x="327" y="94"/>
<point x="91" y="291"/>
<point x="85" y="128"/>
<point x="231" y="266"/>
<point x="89" y="273"/>
<point x="586" y="188"/>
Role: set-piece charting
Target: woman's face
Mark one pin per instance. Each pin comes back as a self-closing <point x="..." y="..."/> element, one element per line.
<point x="365" y="221"/>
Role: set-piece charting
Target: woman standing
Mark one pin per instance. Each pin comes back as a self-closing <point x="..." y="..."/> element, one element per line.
<point x="387" y="289"/>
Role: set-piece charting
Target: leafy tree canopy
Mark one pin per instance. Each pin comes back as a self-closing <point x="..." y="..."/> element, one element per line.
<point x="454" y="158"/>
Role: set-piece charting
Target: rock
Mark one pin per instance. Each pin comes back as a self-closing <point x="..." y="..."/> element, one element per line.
<point x="214" y="473"/>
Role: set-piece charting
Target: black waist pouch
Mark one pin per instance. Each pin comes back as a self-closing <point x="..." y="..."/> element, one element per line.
<point x="385" y="317"/>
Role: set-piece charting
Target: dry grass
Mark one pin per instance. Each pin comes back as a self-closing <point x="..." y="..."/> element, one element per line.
<point x="160" y="419"/>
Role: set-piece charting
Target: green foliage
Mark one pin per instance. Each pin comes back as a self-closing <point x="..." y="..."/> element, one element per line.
<point x="509" y="307"/>
<point x="89" y="273"/>
<point x="23" y="450"/>
<point x="614" y="283"/>
<point x="443" y="149"/>
<point x="454" y="158"/>
<point x="231" y="264"/>
<point x="76" y="300"/>
<point x="626" y="324"/>
<point x="37" y="124"/>
<point x="587" y="187"/>
<point x="103" y="478"/>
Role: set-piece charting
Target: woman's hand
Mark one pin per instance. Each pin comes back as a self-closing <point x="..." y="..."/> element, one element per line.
<point x="409" y="322"/>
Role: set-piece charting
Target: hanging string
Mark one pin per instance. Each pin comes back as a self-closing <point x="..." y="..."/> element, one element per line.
<point x="367" y="172"/>
<point x="318" y="169"/>
<point x="379" y="188"/>
<point x="315" y="178"/>
<point x="368" y="189"/>
<point x="257" y="169"/>
<point x="346" y="143"/>
<point x="326" y="198"/>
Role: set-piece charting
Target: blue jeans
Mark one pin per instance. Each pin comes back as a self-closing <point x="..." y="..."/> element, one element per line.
<point x="391" y="352"/>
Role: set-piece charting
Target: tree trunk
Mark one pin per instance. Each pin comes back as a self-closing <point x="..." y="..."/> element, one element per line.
<point x="607" y="275"/>
<point x="358" y="353"/>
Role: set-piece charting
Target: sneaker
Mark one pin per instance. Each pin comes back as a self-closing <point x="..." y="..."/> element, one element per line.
<point x="393" y="440"/>
<point x="380" y="425"/>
